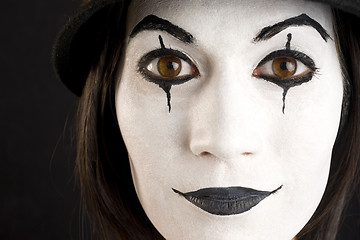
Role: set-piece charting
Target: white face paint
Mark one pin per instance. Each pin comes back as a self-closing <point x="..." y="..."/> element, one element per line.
<point x="226" y="126"/>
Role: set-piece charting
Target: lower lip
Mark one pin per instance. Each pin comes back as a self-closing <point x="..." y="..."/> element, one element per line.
<point x="226" y="201"/>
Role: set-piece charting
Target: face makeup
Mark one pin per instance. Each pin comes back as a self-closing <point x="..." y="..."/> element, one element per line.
<point x="152" y="23"/>
<point x="221" y="157"/>
<point x="301" y="20"/>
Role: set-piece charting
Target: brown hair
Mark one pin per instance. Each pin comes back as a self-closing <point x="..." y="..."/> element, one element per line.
<point x="102" y="163"/>
<point x="344" y="172"/>
<point x="84" y="2"/>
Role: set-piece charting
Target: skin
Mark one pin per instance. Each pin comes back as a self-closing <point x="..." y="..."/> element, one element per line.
<point x="226" y="126"/>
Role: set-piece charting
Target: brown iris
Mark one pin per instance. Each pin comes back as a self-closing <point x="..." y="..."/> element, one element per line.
<point x="284" y="67"/>
<point x="169" y="67"/>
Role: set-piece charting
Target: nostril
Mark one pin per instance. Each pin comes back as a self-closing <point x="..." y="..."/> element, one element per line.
<point x="205" y="154"/>
<point x="246" y="153"/>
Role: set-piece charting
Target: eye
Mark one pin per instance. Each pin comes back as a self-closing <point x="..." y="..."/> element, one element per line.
<point x="285" y="65"/>
<point x="282" y="67"/>
<point x="167" y="65"/>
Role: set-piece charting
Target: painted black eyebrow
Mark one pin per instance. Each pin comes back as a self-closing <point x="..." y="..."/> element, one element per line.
<point x="152" y="22"/>
<point x="303" y="19"/>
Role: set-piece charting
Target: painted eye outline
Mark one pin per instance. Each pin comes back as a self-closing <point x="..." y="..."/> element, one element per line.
<point x="146" y="60"/>
<point x="293" y="80"/>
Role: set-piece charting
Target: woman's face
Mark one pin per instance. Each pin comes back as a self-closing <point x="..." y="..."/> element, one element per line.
<point x="229" y="111"/>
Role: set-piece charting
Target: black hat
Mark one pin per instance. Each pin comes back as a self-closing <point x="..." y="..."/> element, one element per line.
<point x="79" y="42"/>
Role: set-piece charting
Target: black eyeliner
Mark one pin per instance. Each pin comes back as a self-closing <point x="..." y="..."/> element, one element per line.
<point x="162" y="52"/>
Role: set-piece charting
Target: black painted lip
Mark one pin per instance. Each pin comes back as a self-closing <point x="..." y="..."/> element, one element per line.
<point x="226" y="201"/>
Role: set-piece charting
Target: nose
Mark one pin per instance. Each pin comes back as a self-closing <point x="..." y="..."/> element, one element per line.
<point x="225" y="120"/>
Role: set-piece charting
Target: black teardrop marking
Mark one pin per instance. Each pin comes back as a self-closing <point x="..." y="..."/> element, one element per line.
<point x="165" y="87"/>
<point x="285" y="89"/>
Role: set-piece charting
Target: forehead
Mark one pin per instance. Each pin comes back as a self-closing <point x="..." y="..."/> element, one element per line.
<point x="206" y="19"/>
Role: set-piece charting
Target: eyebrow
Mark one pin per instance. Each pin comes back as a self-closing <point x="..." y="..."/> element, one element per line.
<point x="303" y="19"/>
<point x="152" y="22"/>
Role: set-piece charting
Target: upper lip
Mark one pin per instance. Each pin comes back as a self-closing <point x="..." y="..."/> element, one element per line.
<point x="226" y="201"/>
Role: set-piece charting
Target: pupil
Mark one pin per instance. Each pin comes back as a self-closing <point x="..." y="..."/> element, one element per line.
<point x="283" y="66"/>
<point x="170" y="66"/>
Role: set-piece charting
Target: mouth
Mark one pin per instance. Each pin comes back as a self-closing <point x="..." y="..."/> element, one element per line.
<point x="226" y="201"/>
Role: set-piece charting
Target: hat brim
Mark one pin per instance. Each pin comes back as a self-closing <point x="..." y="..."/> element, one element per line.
<point x="79" y="43"/>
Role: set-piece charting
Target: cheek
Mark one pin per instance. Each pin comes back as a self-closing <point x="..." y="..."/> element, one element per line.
<point x="151" y="134"/>
<point x="311" y="127"/>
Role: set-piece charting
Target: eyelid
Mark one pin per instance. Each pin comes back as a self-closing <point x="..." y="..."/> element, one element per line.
<point x="160" y="52"/>
<point x="289" y="53"/>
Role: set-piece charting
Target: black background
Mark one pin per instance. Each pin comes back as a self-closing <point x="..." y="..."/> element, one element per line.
<point x="38" y="199"/>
